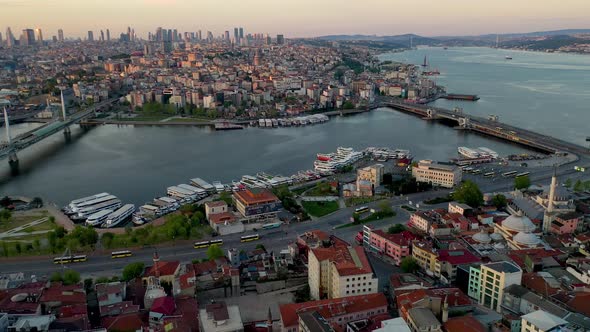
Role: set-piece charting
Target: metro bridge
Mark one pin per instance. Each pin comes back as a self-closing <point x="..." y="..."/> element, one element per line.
<point x="487" y="126"/>
<point x="22" y="141"/>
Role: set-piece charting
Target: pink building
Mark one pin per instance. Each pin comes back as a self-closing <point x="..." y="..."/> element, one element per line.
<point x="394" y="246"/>
<point x="566" y="223"/>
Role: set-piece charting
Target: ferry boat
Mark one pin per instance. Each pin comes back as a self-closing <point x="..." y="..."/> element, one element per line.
<point x="195" y="191"/>
<point x="467" y="152"/>
<point x="76" y="202"/>
<point x="73" y="209"/>
<point x="198" y="182"/>
<point x="218" y="186"/>
<point x="253" y="182"/>
<point x="343" y="157"/>
<point x="118" y="216"/>
<point x="488" y="152"/>
<point x="96" y="219"/>
<point x="508" y="57"/>
<point x="175" y="191"/>
<point x="89" y="210"/>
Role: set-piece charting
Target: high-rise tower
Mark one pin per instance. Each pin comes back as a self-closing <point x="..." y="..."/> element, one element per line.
<point x="9" y="38"/>
<point x="60" y="35"/>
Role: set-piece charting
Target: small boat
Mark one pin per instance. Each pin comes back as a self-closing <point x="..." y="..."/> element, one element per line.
<point x="508" y="57"/>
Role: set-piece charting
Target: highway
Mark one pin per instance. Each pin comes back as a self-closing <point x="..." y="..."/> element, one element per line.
<point x="100" y="263"/>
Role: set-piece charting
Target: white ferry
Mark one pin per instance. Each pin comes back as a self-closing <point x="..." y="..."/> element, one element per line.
<point x="489" y="152"/>
<point x="89" y="210"/>
<point x="98" y="218"/>
<point x="78" y="201"/>
<point x="198" y="182"/>
<point x="175" y="191"/>
<point x="80" y="206"/>
<point x="467" y="152"/>
<point x="252" y="181"/>
<point x="218" y="186"/>
<point x="118" y="216"/>
<point x="194" y="190"/>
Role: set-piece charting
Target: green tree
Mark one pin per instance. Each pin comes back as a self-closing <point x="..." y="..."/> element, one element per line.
<point x="107" y="239"/>
<point x="88" y="283"/>
<point x="5" y="248"/>
<point x="356" y="217"/>
<point x="71" y="277"/>
<point x="214" y="252"/>
<point x="18" y="247"/>
<point x="226" y="197"/>
<point x="37" y="244"/>
<point x="102" y="280"/>
<point x="385" y="208"/>
<point x="56" y="276"/>
<point x="522" y="182"/>
<point x="578" y="186"/>
<point x="52" y="240"/>
<point x="348" y="105"/>
<point x="133" y="270"/>
<point x="5" y="215"/>
<point x="568" y="183"/>
<point x="260" y="246"/>
<point x="395" y="229"/>
<point x="60" y="232"/>
<point x="409" y="264"/>
<point x="499" y="201"/>
<point x="469" y="194"/>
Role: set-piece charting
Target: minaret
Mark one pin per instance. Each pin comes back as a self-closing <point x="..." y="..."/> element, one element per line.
<point x="156" y="260"/>
<point x="63" y="106"/>
<point x="7" y="126"/>
<point x="269" y="321"/>
<point x="445" y="311"/>
<point x="548" y="216"/>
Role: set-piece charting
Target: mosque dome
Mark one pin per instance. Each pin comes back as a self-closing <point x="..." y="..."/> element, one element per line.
<point x="519" y="223"/>
<point x="482" y="237"/>
<point x="527" y="239"/>
<point x="496" y="236"/>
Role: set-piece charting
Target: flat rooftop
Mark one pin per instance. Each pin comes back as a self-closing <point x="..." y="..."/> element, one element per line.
<point x="505" y="267"/>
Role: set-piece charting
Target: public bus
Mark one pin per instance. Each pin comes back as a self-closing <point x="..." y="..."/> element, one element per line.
<point x="361" y="209"/>
<point x="271" y="225"/>
<point x="477" y="171"/>
<point x="489" y="174"/>
<point x="468" y="169"/>
<point x="248" y="238"/>
<point x="69" y="259"/>
<point x="207" y="244"/>
<point x="522" y="174"/>
<point x="509" y="174"/>
<point x="121" y="254"/>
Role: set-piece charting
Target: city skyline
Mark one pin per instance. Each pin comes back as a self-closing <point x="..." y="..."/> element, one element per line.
<point x="295" y="19"/>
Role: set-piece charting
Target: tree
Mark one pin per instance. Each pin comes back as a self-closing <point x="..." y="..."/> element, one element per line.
<point x="469" y="194"/>
<point x="395" y="229"/>
<point x="88" y="283"/>
<point x="18" y="247"/>
<point x="499" y="201"/>
<point x="356" y="217"/>
<point x="522" y="182"/>
<point x="36" y="202"/>
<point x="568" y="183"/>
<point x="214" y="252"/>
<point x="71" y="277"/>
<point x="102" y="280"/>
<point x="385" y="208"/>
<point x="261" y="246"/>
<point x="37" y="244"/>
<point x="132" y="271"/>
<point x="56" y="276"/>
<point x="5" y="201"/>
<point x="226" y="197"/>
<point x="52" y="239"/>
<point x="60" y="232"/>
<point x="409" y="264"/>
<point x="107" y="239"/>
<point x="5" y="215"/>
<point x="578" y="186"/>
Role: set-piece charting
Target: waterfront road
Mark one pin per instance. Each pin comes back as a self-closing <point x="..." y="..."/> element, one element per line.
<point x="101" y="264"/>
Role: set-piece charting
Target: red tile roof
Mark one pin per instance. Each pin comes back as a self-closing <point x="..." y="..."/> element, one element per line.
<point x="579" y="303"/>
<point x="215" y="204"/>
<point x="464" y="324"/>
<point x="252" y="196"/>
<point x="185" y="317"/>
<point x="398" y="239"/>
<point x="341" y="255"/>
<point x="536" y="254"/>
<point x="163" y="269"/>
<point x="457" y="257"/>
<point x="164" y="305"/>
<point x="65" y="295"/>
<point x="127" y="322"/>
<point x="73" y="310"/>
<point x="221" y="218"/>
<point x="332" y="307"/>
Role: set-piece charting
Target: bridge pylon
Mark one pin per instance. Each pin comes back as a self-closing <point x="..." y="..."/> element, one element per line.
<point x="67" y="132"/>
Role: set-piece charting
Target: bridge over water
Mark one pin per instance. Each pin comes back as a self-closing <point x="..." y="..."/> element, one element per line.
<point x="487" y="126"/>
<point x="22" y="141"/>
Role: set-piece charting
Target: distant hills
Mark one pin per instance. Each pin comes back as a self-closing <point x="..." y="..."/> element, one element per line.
<point x="554" y="37"/>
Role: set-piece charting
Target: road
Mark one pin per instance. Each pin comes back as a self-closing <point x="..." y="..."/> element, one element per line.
<point x="101" y="264"/>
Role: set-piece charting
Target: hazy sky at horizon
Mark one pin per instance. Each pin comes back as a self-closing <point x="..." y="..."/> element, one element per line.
<point x="295" y="18"/>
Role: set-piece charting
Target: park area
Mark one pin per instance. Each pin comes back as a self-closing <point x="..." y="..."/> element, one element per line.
<point x="320" y="208"/>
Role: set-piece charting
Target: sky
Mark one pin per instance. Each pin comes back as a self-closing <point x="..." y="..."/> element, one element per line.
<point x="295" y="18"/>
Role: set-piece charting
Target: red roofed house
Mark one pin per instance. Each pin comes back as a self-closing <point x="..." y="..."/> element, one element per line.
<point x="58" y="295"/>
<point x="337" y="312"/>
<point x="111" y="299"/>
<point x="463" y="324"/>
<point x="339" y="270"/>
<point x="448" y="260"/>
<point x="221" y="220"/>
<point x="126" y="322"/>
<point x="394" y="246"/>
<point x="28" y="304"/>
<point x="256" y="203"/>
<point x="433" y="299"/>
<point x="164" y="271"/>
<point x="566" y="223"/>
